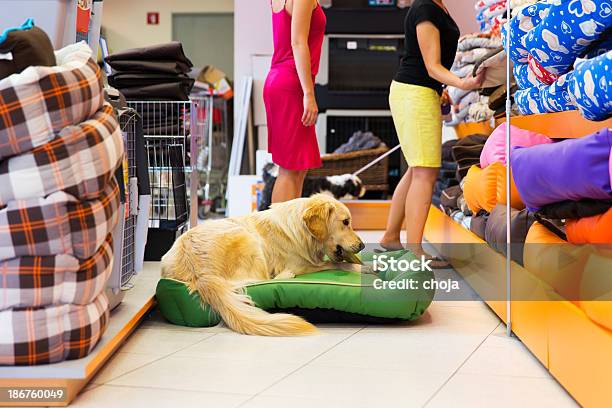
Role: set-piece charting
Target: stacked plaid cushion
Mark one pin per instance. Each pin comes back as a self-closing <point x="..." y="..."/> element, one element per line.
<point x="38" y="281"/>
<point x="80" y="161"/>
<point x="58" y="224"/>
<point x="32" y="335"/>
<point x="41" y="101"/>
<point x="60" y="147"/>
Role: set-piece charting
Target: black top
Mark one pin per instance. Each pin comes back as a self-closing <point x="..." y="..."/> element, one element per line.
<point x="412" y="68"/>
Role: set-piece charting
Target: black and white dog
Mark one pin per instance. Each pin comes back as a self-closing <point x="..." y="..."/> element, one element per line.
<point x="345" y="186"/>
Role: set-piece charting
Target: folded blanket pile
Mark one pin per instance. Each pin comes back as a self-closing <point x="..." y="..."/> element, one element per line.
<point x="158" y="72"/>
<point x="475" y="52"/>
<point x="360" y="141"/>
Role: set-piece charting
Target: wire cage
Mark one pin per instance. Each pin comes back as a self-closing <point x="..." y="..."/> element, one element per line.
<point x="166" y="132"/>
<point x="128" y="123"/>
<point x="210" y="122"/>
<point x="130" y="232"/>
<point x="341" y="126"/>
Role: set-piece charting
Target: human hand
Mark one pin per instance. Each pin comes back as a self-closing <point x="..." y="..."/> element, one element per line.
<point x="471" y="82"/>
<point x="311" y="110"/>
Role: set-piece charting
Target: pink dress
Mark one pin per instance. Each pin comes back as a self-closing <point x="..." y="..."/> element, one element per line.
<point x="293" y="146"/>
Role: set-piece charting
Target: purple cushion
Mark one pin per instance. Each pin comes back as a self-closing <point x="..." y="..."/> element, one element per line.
<point x="572" y="170"/>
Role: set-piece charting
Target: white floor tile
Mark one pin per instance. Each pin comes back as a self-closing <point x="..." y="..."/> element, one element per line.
<point x="161" y="342"/>
<point x="394" y="350"/>
<point x="471" y="391"/>
<point x="130" y="397"/>
<point x="292" y="402"/>
<point x="463" y="303"/>
<point x="451" y="320"/>
<point x="120" y="364"/>
<point x="503" y="355"/>
<point x="234" y="346"/>
<point x="208" y="375"/>
<point x="351" y="386"/>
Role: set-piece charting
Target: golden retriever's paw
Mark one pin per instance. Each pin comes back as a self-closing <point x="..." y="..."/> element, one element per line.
<point x="285" y="275"/>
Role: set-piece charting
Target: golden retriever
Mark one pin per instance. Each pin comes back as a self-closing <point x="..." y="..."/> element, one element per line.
<point x="218" y="257"/>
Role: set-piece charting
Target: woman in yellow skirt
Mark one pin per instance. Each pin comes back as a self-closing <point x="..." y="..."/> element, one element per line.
<point x="431" y="44"/>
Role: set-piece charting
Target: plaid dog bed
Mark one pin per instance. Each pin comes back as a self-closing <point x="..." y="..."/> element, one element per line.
<point x="36" y="281"/>
<point x="80" y="161"/>
<point x="58" y="224"/>
<point x="32" y="336"/>
<point x="40" y="101"/>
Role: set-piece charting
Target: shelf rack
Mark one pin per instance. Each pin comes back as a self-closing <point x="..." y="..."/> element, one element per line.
<point x="554" y="330"/>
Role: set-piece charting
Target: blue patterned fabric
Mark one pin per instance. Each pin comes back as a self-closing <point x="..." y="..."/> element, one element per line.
<point x="544" y="99"/>
<point x="529" y="101"/>
<point x="521" y="24"/>
<point x="524" y="77"/>
<point x="556" y="97"/>
<point x="566" y="32"/>
<point x="592" y="87"/>
<point x="601" y="46"/>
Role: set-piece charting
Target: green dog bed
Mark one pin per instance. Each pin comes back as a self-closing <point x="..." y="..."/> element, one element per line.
<point x="328" y="296"/>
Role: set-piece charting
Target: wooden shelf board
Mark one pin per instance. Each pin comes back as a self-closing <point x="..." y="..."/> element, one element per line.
<point x="369" y="215"/>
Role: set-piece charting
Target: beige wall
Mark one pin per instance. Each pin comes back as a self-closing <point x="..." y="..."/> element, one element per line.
<point x="464" y="14"/>
<point x="126" y="26"/>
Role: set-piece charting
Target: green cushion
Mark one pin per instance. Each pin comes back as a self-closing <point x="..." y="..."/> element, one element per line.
<point x="334" y="290"/>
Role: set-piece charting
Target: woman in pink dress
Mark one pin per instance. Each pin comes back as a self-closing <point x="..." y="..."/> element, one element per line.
<point x="291" y="109"/>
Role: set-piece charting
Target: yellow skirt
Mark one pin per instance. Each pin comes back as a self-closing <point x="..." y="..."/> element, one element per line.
<point x="418" y="122"/>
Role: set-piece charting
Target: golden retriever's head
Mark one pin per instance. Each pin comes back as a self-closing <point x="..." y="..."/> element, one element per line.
<point x="329" y="222"/>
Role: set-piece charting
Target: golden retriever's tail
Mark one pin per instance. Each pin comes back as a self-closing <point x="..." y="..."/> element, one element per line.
<point x="239" y="313"/>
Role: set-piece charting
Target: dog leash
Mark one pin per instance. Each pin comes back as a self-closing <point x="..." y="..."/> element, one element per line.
<point x="376" y="160"/>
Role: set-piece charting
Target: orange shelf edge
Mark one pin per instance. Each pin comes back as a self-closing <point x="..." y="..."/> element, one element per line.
<point x="559" y="125"/>
<point x="472" y="128"/>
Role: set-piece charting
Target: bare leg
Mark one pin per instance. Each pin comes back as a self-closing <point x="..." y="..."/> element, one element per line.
<point x="418" y="202"/>
<point x="288" y="185"/>
<point x="395" y="222"/>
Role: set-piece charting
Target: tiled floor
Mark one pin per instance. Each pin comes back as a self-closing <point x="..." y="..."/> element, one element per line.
<point x="456" y="355"/>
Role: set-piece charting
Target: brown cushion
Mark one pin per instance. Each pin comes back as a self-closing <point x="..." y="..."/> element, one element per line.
<point x="27" y="48"/>
<point x="495" y="232"/>
<point x="467" y="153"/>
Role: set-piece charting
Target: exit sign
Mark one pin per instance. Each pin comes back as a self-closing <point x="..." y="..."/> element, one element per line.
<point x="153" y="18"/>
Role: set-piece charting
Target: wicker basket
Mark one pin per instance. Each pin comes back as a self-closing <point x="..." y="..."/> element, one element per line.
<point x="376" y="178"/>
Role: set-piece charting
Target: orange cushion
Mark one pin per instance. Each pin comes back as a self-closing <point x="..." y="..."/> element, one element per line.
<point x="480" y="189"/>
<point x="591" y="230"/>
<point x="515" y="199"/>
<point x="553" y="260"/>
